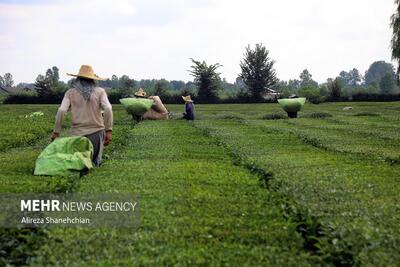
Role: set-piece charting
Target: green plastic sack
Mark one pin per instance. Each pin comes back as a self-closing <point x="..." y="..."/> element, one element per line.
<point x="136" y="106"/>
<point x="65" y="156"/>
<point x="292" y="104"/>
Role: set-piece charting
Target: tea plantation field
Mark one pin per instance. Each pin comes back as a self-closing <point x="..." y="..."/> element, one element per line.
<point x="241" y="185"/>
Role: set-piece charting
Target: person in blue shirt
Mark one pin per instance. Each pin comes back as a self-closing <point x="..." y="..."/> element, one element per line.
<point x="189" y="113"/>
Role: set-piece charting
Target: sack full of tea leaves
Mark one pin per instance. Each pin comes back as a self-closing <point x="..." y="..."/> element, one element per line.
<point x="136" y="106"/>
<point x="65" y="156"/>
<point x="292" y="104"/>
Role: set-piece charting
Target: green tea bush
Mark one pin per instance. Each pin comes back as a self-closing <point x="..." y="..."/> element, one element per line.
<point x="229" y="189"/>
<point x="19" y="129"/>
<point x="19" y="246"/>
<point x="230" y="117"/>
<point x="366" y="114"/>
<point x="318" y="115"/>
<point x="315" y="181"/>
<point x="186" y="183"/>
<point x="275" y="116"/>
<point x="32" y="98"/>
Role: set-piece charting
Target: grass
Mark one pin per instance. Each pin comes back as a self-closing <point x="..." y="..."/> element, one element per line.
<point x="232" y="188"/>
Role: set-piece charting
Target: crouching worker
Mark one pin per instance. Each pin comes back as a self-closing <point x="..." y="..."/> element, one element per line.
<point x="86" y="102"/>
<point x="189" y="108"/>
<point x="157" y="111"/>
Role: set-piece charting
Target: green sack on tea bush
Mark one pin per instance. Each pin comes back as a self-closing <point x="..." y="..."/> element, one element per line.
<point x="292" y="104"/>
<point x="65" y="156"/>
<point x="136" y="106"/>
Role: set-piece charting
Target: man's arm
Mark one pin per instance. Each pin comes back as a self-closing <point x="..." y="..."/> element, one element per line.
<point x="65" y="104"/>
<point x="108" y="117"/>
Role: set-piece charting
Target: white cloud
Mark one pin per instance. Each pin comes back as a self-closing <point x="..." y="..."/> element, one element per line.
<point x="155" y="39"/>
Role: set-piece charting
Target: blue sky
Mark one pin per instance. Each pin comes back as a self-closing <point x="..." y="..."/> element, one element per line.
<point x="156" y="38"/>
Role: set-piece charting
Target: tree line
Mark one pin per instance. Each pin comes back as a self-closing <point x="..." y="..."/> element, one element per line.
<point x="256" y="80"/>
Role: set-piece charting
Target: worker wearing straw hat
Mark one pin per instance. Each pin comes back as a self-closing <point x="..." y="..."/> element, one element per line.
<point x="189" y="108"/>
<point x="158" y="111"/>
<point x="87" y="101"/>
<point x="140" y="93"/>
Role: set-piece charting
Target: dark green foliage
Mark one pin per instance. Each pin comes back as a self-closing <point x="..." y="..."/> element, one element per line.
<point x="114" y="95"/>
<point x="114" y="81"/>
<point x="43" y="86"/>
<point x="207" y="80"/>
<point x="17" y="246"/>
<point x="160" y="88"/>
<point x="318" y="115"/>
<point x="126" y="85"/>
<point x="312" y="94"/>
<point x="257" y="71"/>
<point x="306" y="80"/>
<point x="177" y="85"/>
<point x="387" y="84"/>
<point x="49" y="87"/>
<point x="377" y="71"/>
<point x="366" y="114"/>
<point x="275" y="116"/>
<point x="375" y="97"/>
<point x="335" y="89"/>
<point x="351" y="78"/>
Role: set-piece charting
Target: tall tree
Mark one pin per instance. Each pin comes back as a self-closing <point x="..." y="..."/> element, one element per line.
<point x="43" y="86"/>
<point x="2" y="85"/>
<point x="8" y="80"/>
<point x="239" y="82"/>
<point x="52" y="75"/>
<point x="126" y="83"/>
<point x="294" y="84"/>
<point x="177" y="85"/>
<point x="160" y="88"/>
<point x="377" y="70"/>
<point x="49" y="85"/>
<point x="395" y="22"/>
<point x="114" y="81"/>
<point x="387" y="84"/>
<point x="207" y="80"/>
<point x="258" y="71"/>
<point x="351" y="78"/>
<point x="335" y="88"/>
<point x="306" y="79"/>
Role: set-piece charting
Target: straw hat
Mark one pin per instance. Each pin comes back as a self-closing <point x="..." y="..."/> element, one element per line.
<point x="87" y="72"/>
<point x="140" y="93"/>
<point x="187" y="98"/>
